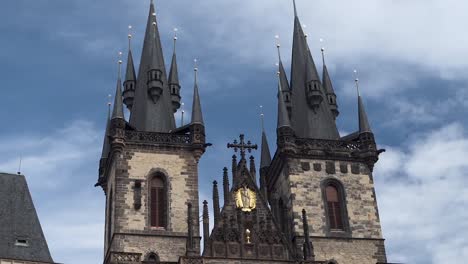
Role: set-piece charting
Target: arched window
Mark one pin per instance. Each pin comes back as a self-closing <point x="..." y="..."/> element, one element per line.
<point x="335" y="207"/>
<point x="158" y="200"/>
<point x="152" y="258"/>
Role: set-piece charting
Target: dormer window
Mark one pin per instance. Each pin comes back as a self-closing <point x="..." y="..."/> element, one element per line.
<point x="21" y="243"/>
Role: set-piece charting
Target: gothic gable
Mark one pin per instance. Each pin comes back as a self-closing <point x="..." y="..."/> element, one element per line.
<point x="246" y="228"/>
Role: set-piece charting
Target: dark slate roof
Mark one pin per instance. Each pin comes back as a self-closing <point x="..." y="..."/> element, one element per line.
<point x="308" y="123"/>
<point x="147" y="115"/>
<point x="283" y="78"/>
<point x="363" y="121"/>
<point x="19" y="221"/>
<point x="118" y="111"/>
<point x="106" y="142"/>
<point x="283" y="118"/>
<point x="197" y="115"/>
<point x="173" y="72"/>
<point x="130" y="73"/>
<point x="265" y="159"/>
<point x="327" y="83"/>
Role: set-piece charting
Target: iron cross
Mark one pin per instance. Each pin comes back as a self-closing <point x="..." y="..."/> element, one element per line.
<point x="242" y="146"/>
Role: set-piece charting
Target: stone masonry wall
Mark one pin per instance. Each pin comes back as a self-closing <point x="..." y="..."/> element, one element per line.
<point x="306" y="193"/>
<point x="140" y="163"/>
<point x="300" y="186"/>
<point x="349" y="251"/>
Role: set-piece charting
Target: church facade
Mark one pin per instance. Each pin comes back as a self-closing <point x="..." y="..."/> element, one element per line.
<point x="315" y="201"/>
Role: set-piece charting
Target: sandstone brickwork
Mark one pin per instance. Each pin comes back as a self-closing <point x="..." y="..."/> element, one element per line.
<point x="300" y="185"/>
<point x="131" y="230"/>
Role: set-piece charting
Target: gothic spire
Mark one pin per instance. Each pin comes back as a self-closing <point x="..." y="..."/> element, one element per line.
<point x="363" y="121"/>
<point x="118" y="112"/>
<point x="328" y="88"/>
<point x="130" y="76"/>
<point x="265" y="158"/>
<point x="216" y="207"/>
<point x="225" y="185"/>
<point x="106" y="143"/>
<point x="152" y="109"/>
<point x="283" y="77"/>
<point x="283" y="118"/>
<point x="174" y="84"/>
<point x="206" y="227"/>
<point x="197" y="115"/>
<point x="311" y="115"/>
<point x="295" y="8"/>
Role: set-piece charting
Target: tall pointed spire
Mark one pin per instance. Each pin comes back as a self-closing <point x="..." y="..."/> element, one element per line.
<point x="283" y="118"/>
<point x="197" y="115"/>
<point x="328" y="88"/>
<point x="152" y="108"/>
<point x="206" y="228"/>
<point x="295" y="8"/>
<point x="265" y="158"/>
<point x="174" y="84"/>
<point x="283" y="77"/>
<point x="106" y="142"/>
<point x="118" y="112"/>
<point x="225" y="185"/>
<point x="311" y="116"/>
<point x="363" y="121"/>
<point x="130" y="76"/>
<point x="216" y="207"/>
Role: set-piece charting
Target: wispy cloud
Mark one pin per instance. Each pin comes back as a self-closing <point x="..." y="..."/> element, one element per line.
<point x="61" y="167"/>
<point x="421" y="192"/>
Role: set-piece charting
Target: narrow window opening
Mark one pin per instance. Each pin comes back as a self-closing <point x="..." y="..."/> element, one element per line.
<point x="158" y="202"/>
<point x="334" y="208"/>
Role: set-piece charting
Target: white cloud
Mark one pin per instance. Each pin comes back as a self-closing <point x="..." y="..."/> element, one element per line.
<point x="61" y="169"/>
<point x="422" y="190"/>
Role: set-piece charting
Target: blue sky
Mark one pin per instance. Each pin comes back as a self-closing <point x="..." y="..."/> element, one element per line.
<point x="58" y="64"/>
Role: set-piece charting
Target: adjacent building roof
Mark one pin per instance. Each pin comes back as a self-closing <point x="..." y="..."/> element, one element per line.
<point x="21" y="236"/>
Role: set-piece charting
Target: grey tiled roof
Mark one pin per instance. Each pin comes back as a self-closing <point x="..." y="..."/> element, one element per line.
<point x="19" y="221"/>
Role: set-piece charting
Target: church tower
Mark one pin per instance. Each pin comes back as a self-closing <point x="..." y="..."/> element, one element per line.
<point x="318" y="181"/>
<point x="149" y="167"/>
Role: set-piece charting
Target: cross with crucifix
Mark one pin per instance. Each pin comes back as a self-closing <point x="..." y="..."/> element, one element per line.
<point x="242" y="146"/>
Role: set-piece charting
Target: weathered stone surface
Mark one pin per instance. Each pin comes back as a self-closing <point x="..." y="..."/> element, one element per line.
<point x="131" y="226"/>
<point x="303" y="190"/>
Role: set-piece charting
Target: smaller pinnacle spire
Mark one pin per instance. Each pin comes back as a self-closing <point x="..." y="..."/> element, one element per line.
<point x="216" y="207"/>
<point x="197" y="116"/>
<point x="283" y="118"/>
<point x="206" y="227"/>
<point x="308" y="250"/>
<point x="295" y="9"/>
<point x="278" y="46"/>
<point x="262" y="118"/>
<point x="106" y="143"/>
<point x="363" y="121"/>
<point x="173" y="72"/>
<point x="225" y="185"/>
<point x="118" y="102"/>
<point x="356" y="81"/>
<point x="265" y="159"/>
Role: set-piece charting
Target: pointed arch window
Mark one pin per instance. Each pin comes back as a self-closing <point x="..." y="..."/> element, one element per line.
<point x="158" y="201"/>
<point x="335" y="208"/>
